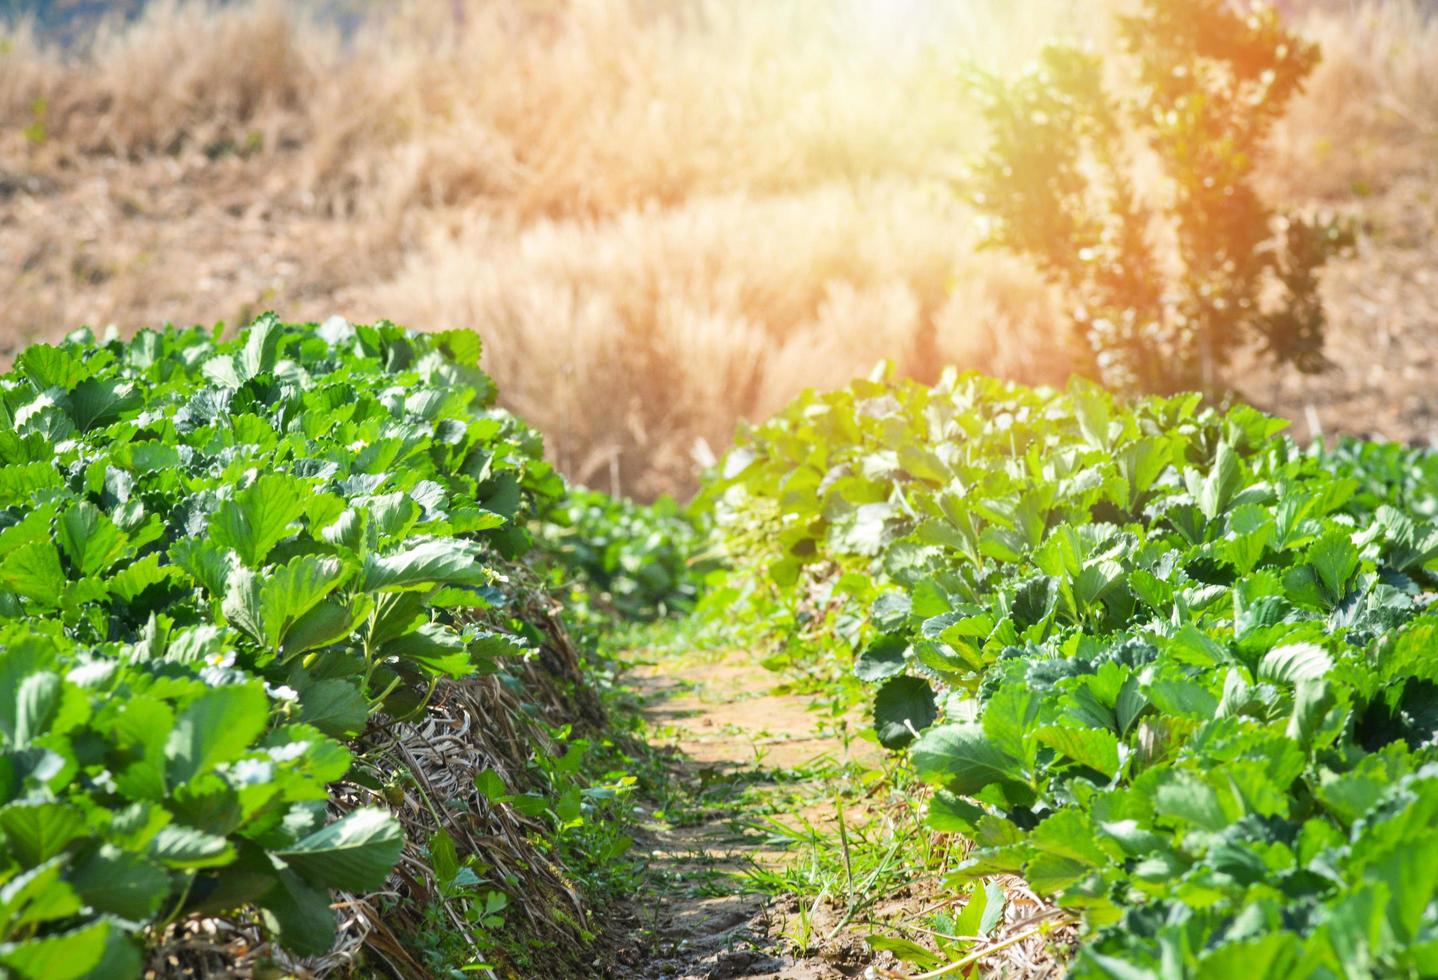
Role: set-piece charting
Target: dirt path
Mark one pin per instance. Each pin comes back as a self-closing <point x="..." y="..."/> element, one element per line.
<point x="736" y="751"/>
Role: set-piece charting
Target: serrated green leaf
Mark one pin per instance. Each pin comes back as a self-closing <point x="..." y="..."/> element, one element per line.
<point x="299" y="915"/>
<point x="437" y="562"/>
<point x="962" y="759"/>
<point x="61" y="956"/>
<point x="37" y="895"/>
<point x="37" y="700"/>
<point x="121" y="883"/>
<point x="36" y="832"/>
<point x="1092" y="747"/>
<point x="128" y="583"/>
<point x="259" y="517"/>
<point x="178" y="846"/>
<point x="90" y="540"/>
<point x="33" y="571"/>
<point x="330" y="621"/>
<point x="1294" y="663"/>
<point x="336" y="707"/>
<point x="355" y="853"/>
<point x="217" y="727"/>
<point x="434" y="648"/>
<point x="1335" y="559"/>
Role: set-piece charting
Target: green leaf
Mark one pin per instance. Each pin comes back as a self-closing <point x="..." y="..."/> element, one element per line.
<point x="1189" y="798"/>
<point x="121" y="883"/>
<point x="905" y="950"/>
<point x="241" y="605"/>
<point x="1251" y="528"/>
<point x="45" y="366"/>
<point x="257" y="357"/>
<point x="443" y="856"/>
<point x="1273" y="955"/>
<point x="261" y="345"/>
<point x="891" y="611"/>
<point x="33" y="571"/>
<point x="178" y="846"/>
<point x="100" y="401"/>
<point x="217" y="727"/>
<point x="903" y="706"/>
<point x="1335" y="559"/>
<point x="435" y="648"/>
<point x="294" y="589"/>
<point x="1091" y="409"/>
<point x="976" y="914"/>
<point x="1092" y="747"/>
<point x="269" y="608"/>
<point x="328" y="622"/>
<point x="1221" y="483"/>
<point x="129" y="582"/>
<point x="36" y="832"/>
<point x="355" y="853"/>
<point x="1312" y="700"/>
<point x="962" y="759"/>
<point x="1050" y="874"/>
<point x="35" y="896"/>
<point x="1008" y="722"/>
<point x="336" y="707"/>
<point x="204" y="561"/>
<point x="90" y="540"/>
<point x="1140" y="463"/>
<point x="437" y="562"/>
<point x="21" y="484"/>
<point x="36" y="702"/>
<point x="1295" y="662"/>
<point x="950" y="814"/>
<point x="62" y="956"/>
<point x="299" y="915"/>
<point x="259" y="517"/>
<point x="881" y="659"/>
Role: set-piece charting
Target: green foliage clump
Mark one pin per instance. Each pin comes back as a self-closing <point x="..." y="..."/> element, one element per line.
<point x="1177" y="672"/>
<point x="618" y="558"/>
<point x="219" y="563"/>
<point x="1164" y="286"/>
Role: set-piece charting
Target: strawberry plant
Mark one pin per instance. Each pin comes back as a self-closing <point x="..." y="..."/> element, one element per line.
<point x="220" y="562"/>
<point x="1172" y="669"/>
<point x="620" y="558"/>
<point x="1164" y="287"/>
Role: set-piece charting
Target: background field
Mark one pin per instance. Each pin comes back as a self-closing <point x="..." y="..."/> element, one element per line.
<point x="660" y="216"/>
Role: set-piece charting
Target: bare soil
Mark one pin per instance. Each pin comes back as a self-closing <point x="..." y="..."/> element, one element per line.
<point x="697" y="919"/>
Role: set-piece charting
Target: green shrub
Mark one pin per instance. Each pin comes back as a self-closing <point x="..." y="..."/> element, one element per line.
<point x="1173" y="670"/>
<point x="218" y="562"/>
<point x="1164" y="288"/>
<point x="620" y="558"/>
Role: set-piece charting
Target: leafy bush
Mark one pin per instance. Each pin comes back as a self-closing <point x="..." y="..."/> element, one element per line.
<point x="621" y="558"/>
<point x="1183" y="672"/>
<point x="1058" y="184"/>
<point x="219" y="561"/>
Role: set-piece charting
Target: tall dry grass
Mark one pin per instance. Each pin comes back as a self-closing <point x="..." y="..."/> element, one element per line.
<point x="661" y="216"/>
<point x="645" y="332"/>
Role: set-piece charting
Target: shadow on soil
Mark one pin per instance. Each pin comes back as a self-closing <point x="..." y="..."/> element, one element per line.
<point x="730" y="743"/>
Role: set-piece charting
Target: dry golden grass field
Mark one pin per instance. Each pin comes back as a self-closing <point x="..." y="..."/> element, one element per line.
<point x="661" y="216"/>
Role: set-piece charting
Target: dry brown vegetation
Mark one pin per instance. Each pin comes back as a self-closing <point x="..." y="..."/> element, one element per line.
<point x="660" y="216"/>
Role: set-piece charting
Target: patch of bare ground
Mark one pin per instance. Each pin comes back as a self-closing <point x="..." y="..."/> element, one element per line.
<point x="185" y="239"/>
<point x="723" y="727"/>
<point x="1382" y="305"/>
